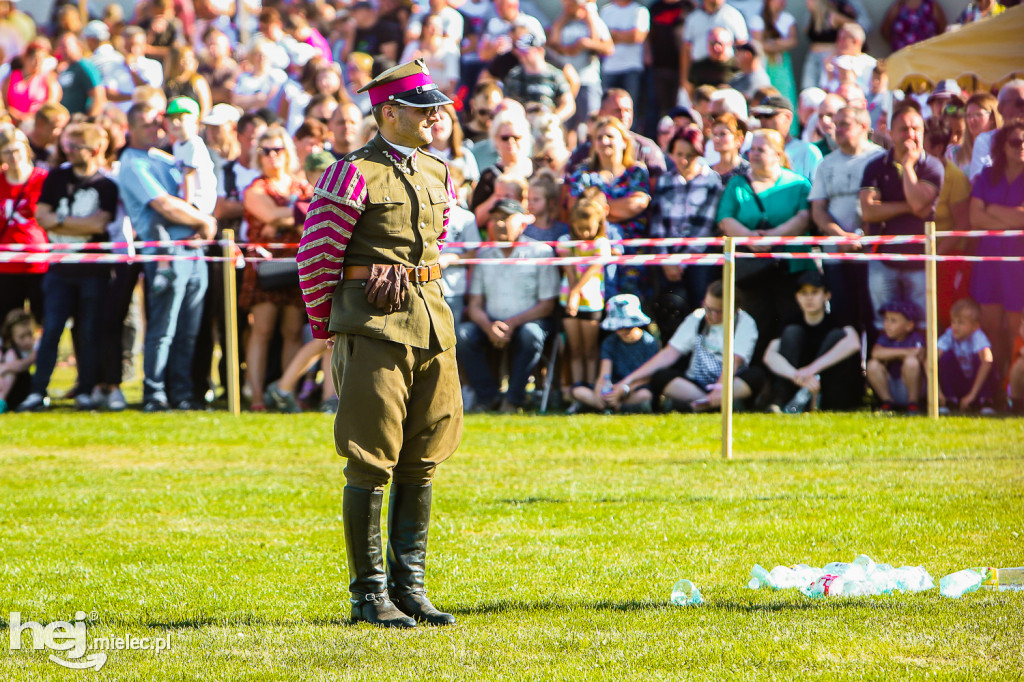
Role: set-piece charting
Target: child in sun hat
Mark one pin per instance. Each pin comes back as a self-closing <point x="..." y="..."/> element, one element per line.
<point x="626" y="349"/>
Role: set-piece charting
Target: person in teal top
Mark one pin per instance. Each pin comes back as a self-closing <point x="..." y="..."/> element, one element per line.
<point x="770" y="202"/>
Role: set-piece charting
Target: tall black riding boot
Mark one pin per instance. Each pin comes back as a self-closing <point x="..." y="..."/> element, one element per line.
<point x="408" y="520"/>
<point x="361" y="511"/>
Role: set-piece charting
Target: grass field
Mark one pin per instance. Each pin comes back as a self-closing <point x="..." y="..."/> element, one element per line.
<point x="556" y="542"/>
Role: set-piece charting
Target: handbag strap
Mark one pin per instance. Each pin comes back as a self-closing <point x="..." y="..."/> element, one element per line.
<point x="760" y="206"/>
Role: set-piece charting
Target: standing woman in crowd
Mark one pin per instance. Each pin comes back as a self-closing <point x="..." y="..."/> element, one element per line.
<point x="771" y="202"/>
<point x="448" y="144"/>
<point x="685" y="205"/>
<point x="269" y="206"/>
<point x="510" y="135"/>
<point x="29" y="86"/>
<point x="826" y="16"/>
<point x="626" y="184"/>
<point x="20" y="186"/>
<point x="728" y="133"/>
<point x="997" y="200"/>
<point x="911" y="21"/>
<point x="981" y="116"/>
<point x="440" y="54"/>
<point x="776" y="29"/>
<point x="181" y="78"/>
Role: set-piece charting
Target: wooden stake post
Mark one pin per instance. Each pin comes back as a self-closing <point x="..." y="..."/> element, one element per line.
<point x="931" y="321"/>
<point x="728" y="358"/>
<point x="230" y="349"/>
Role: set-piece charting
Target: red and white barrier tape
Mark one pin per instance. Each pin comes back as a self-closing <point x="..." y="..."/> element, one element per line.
<point x="648" y="242"/>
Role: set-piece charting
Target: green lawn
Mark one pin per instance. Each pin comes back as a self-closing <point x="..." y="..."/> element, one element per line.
<point x="556" y="542"/>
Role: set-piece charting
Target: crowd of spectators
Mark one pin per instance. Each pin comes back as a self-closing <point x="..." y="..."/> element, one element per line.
<point x="603" y="123"/>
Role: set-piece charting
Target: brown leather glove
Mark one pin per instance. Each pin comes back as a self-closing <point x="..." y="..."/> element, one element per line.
<point x="386" y="287"/>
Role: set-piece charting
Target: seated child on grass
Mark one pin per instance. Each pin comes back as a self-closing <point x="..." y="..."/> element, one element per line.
<point x="896" y="366"/>
<point x="17" y="354"/>
<point x="967" y="378"/>
<point x="621" y="354"/>
<point x="815" y="353"/>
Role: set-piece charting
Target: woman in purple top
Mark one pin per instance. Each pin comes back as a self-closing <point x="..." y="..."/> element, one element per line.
<point x="997" y="203"/>
<point x="911" y="21"/>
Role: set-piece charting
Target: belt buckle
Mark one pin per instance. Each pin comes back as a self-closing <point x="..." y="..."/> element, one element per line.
<point x="420" y="273"/>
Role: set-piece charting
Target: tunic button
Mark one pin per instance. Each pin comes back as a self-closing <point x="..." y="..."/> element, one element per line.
<point x="423" y="207"/>
<point x="423" y="224"/>
<point x="387" y="198"/>
<point x="417" y="187"/>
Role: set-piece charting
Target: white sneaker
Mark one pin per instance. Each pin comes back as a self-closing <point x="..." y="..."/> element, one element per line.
<point x="988" y="411"/>
<point x="35" y="402"/>
<point x="943" y="410"/>
<point x="99" y="398"/>
<point x="83" y="402"/>
<point x="116" y="401"/>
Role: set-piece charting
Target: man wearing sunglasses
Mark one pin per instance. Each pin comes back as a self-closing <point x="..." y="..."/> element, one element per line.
<point x="368" y="267"/>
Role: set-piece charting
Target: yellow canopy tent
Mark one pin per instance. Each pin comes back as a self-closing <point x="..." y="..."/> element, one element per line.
<point x="980" y="55"/>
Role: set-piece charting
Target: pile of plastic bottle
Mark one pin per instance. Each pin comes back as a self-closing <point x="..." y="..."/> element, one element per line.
<point x="859" y="578"/>
<point x="862" y="577"/>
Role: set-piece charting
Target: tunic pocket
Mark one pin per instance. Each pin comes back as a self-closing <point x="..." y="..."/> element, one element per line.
<point x="392" y="204"/>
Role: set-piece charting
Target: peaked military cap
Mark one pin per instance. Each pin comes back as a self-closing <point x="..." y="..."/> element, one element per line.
<point x="409" y="84"/>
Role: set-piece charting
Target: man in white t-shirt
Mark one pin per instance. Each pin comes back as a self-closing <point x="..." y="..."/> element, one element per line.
<point x="688" y="369"/>
<point x="835" y="209"/>
<point x="711" y="14"/>
<point x="629" y="23"/>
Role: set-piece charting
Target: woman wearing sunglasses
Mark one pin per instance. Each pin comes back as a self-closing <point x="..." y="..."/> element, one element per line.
<point x="269" y="206"/>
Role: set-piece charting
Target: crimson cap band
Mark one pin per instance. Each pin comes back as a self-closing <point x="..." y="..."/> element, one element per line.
<point x="409" y="84"/>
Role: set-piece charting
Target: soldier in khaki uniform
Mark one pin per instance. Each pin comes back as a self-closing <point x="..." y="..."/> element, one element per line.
<point x="371" y="283"/>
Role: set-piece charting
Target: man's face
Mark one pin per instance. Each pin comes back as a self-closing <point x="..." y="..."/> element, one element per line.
<point x="250" y="133"/>
<point x="826" y="116"/>
<point x="907" y="132"/>
<point x="1011" y="104"/>
<point x="79" y="153"/>
<point x="182" y="126"/>
<point x="848" y="130"/>
<point x="146" y="131"/>
<point x="345" y="125"/>
<point x="719" y="45"/>
<point x="411" y="126"/>
<point x="619" y="107"/>
<point x="506" y="228"/>
<point x="712" y="6"/>
<point x="484" y="106"/>
<point x="779" y="119"/>
<point x="507" y="9"/>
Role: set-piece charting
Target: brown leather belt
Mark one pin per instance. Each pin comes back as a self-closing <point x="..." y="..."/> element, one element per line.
<point x="423" y="273"/>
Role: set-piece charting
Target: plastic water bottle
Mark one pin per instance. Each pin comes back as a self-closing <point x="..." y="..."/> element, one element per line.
<point x="606" y="385"/>
<point x="685" y="593"/>
<point x="801" y="400"/>
<point x="827" y="585"/>
<point x="960" y="583"/>
<point x="1001" y="579"/>
<point x="1011" y="578"/>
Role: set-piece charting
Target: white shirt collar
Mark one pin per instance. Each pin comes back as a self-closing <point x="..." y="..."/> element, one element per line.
<point x="404" y="151"/>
